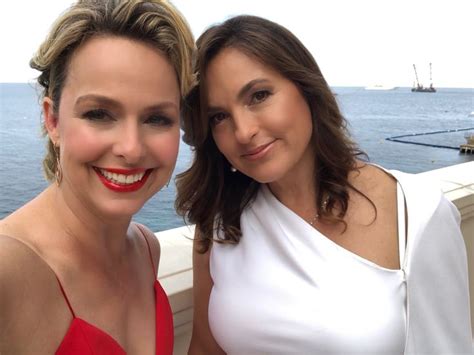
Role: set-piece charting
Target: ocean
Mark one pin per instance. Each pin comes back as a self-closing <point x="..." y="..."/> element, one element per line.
<point x="373" y="116"/>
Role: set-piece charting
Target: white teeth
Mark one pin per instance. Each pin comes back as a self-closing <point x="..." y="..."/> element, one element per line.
<point x="120" y="178"/>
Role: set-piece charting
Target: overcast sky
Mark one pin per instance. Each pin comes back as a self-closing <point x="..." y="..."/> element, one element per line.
<point x="355" y="42"/>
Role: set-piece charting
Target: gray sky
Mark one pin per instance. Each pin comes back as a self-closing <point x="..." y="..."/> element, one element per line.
<point x="355" y="42"/>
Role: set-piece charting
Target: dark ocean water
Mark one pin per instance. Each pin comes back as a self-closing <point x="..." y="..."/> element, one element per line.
<point x="372" y="115"/>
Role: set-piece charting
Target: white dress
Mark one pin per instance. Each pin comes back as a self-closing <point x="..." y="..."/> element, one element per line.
<point x="287" y="289"/>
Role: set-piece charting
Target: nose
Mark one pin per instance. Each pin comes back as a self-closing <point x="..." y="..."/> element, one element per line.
<point x="245" y="126"/>
<point x="129" y="143"/>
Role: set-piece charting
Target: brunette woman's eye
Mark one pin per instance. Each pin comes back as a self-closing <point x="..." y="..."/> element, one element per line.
<point x="259" y="96"/>
<point x="97" y="115"/>
<point x="217" y="118"/>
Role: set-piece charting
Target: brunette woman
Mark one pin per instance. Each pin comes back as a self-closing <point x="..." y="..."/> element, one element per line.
<point x="301" y="246"/>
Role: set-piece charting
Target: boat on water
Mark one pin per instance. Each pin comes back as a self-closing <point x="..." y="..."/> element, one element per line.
<point x="418" y="87"/>
<point x="421" y="88"/>
<point x="380" y="87"/>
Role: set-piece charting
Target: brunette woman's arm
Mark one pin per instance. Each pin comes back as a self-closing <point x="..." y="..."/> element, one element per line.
<point x="202" y="341"/>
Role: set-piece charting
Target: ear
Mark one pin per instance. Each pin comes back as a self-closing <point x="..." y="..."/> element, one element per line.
<point x="50" y="120"/>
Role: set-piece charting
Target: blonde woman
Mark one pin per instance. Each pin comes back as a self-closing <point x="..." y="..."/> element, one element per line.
<point x="76" y="275"/>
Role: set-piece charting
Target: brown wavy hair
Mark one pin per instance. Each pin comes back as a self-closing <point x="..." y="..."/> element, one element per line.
<point x="213" y="197"/>
<point x="155" y="22"/>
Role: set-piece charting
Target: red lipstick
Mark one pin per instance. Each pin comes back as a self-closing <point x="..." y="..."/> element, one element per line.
<point x="119" y="187"/>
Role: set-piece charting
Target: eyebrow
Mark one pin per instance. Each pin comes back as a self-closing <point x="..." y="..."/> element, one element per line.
<point x="107" y="101"/>
<point x="247" y="87"/>
<point x="242" y="92"/>
<point x="99" y="99"/>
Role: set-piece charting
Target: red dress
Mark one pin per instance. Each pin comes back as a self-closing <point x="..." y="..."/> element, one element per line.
<point x="83" y="338"/>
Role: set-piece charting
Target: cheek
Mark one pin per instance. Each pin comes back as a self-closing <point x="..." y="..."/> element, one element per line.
<point x="223" y="136"/>
<point x="297" y="126"/>
<point x="294" y="114"/>
<point x="165" y="147"/>
<point x="83" y="143"/>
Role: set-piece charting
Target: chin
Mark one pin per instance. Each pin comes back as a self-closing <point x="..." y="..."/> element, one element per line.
<point x="264" y="177"/>
<point x="125" y="206"/>
<point x="119" y="211"/>
<point x="268" y="171"/>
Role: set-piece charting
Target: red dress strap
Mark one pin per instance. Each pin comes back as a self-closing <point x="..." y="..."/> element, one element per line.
<point x="65" y="297"/>
<point x="140" y="228"/>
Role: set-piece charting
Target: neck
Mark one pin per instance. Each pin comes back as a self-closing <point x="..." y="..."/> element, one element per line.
<point x="297" y="190"/>
<point x="86" y="233"/>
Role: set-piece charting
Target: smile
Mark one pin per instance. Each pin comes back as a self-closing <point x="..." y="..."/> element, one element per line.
<point x="258" y="152"/>
<point x="122" y="180"/>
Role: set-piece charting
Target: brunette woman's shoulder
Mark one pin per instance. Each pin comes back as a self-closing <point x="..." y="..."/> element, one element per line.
<point x="373" y="180"/>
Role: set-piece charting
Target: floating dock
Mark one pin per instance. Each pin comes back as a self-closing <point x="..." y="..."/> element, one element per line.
<point x="468" y="148"/>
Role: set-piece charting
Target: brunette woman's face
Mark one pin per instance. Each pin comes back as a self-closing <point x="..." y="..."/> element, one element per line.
<point x="117" y="125"/>
<point x="260" y="121"/>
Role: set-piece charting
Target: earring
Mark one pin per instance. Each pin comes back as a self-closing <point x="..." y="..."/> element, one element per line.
<point x="58" y="173"/>
<point x="232" y="169"/>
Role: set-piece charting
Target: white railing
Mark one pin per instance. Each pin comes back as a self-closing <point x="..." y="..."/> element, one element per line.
<point x="175" y="273"/>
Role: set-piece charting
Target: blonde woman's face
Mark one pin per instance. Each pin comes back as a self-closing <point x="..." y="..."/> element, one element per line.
<point x="118" y="125"/>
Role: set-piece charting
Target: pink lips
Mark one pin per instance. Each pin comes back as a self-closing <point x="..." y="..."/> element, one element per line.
<point x="259" y="151"/>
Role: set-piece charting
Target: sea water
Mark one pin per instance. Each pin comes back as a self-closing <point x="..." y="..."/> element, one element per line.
<point x="373" y="116"/>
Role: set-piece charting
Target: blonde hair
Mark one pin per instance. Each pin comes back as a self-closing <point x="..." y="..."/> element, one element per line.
<point x="155" y="22"/>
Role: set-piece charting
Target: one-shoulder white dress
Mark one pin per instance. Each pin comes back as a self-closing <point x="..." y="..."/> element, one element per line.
<point x="287" y="289"/>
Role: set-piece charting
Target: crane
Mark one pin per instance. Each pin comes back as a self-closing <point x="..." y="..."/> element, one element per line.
<point x="417" y="87"/>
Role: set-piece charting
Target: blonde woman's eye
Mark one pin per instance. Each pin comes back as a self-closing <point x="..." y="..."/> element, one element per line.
<point x="96" y="115"/>
<point x="159" y="120"/>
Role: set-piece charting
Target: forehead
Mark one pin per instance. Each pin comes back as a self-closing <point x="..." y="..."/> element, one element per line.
<point x="108" y="63"/>
<point x="232" y="68"/>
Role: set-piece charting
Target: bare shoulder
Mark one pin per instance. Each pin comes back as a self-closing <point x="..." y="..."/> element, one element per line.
<point x="376" y="184"/>
<point x="16" y="259"/>
<point x="20" y="265"/>
<point x="17" y="254"/>
<point x="379" y="190"/>
<point x="372" y="178"/>
<point x="372" y="216"/>
<point x="141" y="232"/>
<point x="28" y="292"/>
<point x="13" y="225"/>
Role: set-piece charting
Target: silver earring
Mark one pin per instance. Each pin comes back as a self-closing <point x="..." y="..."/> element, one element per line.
<point x="233" y="169"/>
